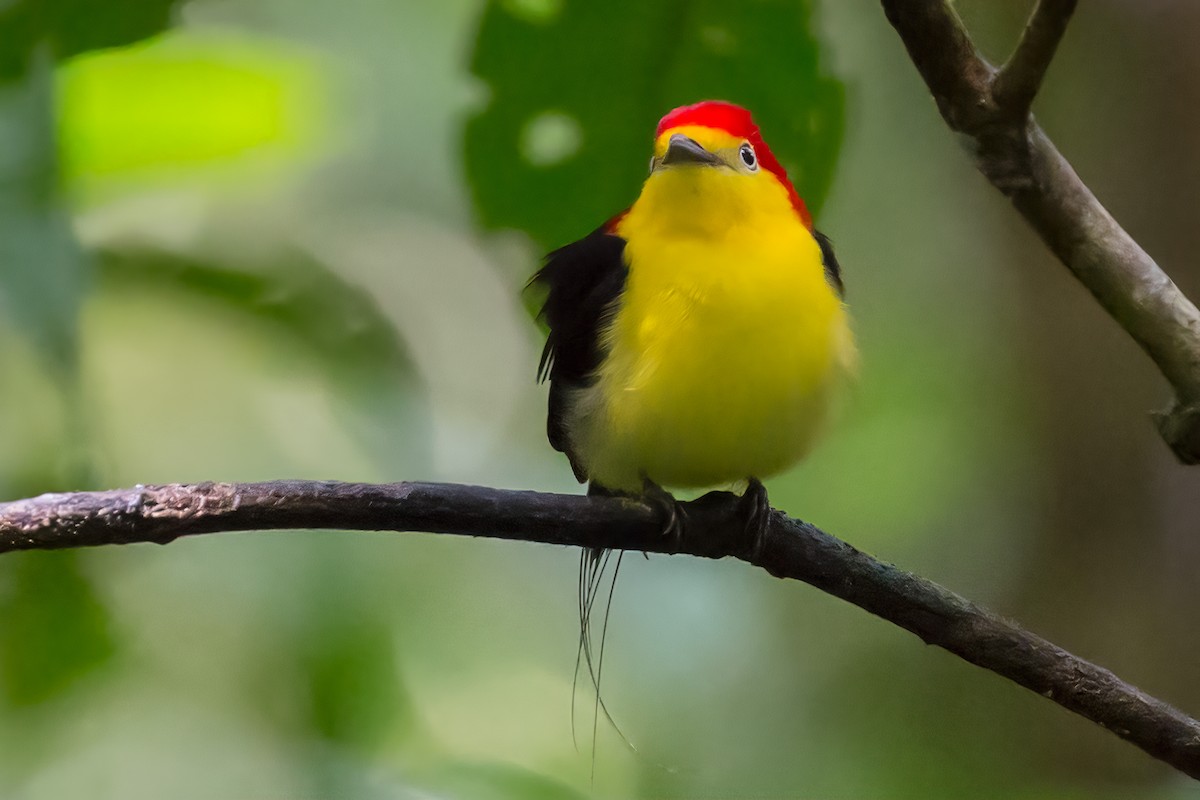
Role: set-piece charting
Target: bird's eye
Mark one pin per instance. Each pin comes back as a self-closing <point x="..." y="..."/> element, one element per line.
<point x="748" y="157"/>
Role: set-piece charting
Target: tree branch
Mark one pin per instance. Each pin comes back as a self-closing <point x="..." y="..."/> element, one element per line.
<point x="992" y="108"/>
<point x="790" y="549"/>
<point x="1019" y="80"/>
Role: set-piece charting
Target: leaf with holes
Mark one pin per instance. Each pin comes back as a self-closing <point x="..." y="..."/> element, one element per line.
<point x="577" y="87"/>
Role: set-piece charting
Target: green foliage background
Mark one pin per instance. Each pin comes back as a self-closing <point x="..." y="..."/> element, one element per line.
<point x="640" y="59"/>
<point x="252" y="239"/>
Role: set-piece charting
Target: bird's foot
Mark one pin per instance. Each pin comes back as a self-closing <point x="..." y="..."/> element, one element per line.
<point x="671" y="511"/>
<point x="754" y="507"/>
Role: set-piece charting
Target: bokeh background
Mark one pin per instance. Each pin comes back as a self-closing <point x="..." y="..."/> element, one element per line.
<point x="253" y="239"/>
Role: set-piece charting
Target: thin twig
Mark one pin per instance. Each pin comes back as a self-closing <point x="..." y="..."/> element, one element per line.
<point x="1018" y="158"/>
<point x="789" y="549"/>
<point x="1020" y="79"/>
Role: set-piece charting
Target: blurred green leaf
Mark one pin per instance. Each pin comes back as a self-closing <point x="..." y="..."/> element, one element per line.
<point x="53" y="630"/>
<point x="67" y="27"/>
<point x="352" y="682"/>
<point x="336" y="320"/>
<point x="44" y="271"/>
<point x="340" y="324"/>
<point x="564" y="141"/>
<point x="332" y="676"/>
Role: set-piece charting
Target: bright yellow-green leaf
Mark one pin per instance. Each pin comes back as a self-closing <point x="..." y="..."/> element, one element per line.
<point x="186" y="102"/>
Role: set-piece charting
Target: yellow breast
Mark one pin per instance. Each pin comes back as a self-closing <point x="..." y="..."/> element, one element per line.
<point x="725" y="346"/>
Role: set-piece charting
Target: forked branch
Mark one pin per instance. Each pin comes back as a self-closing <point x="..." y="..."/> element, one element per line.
<point x="1018" y="81"/>
<point x="992" y="107"/>
<point x="790" y="549"/>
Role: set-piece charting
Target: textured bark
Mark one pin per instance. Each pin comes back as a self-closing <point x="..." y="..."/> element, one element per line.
<point x="789" y="549"/>
<point x="991" y="107"/>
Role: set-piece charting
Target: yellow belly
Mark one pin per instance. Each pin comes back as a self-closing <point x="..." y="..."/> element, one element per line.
<point x="722" y="358"/>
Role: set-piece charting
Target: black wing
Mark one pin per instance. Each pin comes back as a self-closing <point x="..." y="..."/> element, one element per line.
<point x="584" y="280"/>
<point x="833" y="272"/>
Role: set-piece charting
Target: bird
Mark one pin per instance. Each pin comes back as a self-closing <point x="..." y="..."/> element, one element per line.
<point x="696" y="339"/>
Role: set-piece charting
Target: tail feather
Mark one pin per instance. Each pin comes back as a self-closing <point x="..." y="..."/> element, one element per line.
<point x="593" y="566"/>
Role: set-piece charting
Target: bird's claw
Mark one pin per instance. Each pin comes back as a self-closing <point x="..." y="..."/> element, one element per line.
<point x="670" y="510"/>
<point x="754" y="507"/>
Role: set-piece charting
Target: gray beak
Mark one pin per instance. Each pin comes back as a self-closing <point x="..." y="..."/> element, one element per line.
<point x="682" y="150"/>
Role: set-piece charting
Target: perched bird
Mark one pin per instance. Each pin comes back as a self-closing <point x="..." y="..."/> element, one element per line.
<point x="696" y="338"/>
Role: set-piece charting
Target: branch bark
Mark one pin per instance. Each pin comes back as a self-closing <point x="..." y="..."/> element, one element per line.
<point x="991" y="107"/>
<point x="1018" y="81"/>
<point x="790" y="549"/>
